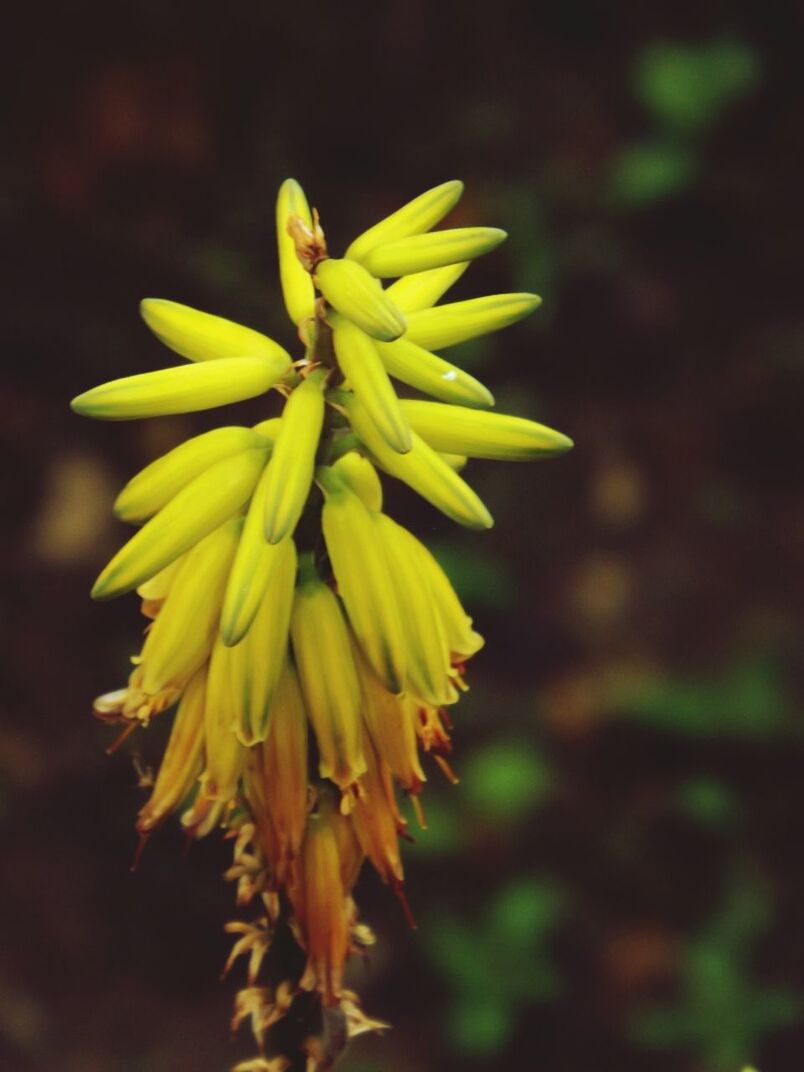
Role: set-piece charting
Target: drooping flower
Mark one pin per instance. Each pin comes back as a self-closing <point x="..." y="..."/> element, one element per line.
<point x="310" y="644"/>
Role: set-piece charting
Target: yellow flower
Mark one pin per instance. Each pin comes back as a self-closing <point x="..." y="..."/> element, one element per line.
<point x="310" y="643"/>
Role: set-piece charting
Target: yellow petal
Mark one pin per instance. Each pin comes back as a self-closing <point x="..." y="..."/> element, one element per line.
<point x="479" y="434"/>
<point x="446" y="325"/>
<point x="462" y="639"/>
<point x="418" y="215"/>
<point x="297" y="286"/>
<point x="328" y="677"/>
<point x="390" y="722"/>
<point x="155" y="485"/>
<point x="428" y="655"/>
<point x="421" y="290"/>
<point x="204" y="337"/>
<point x="421" y="252"/>
<point x="290" y="470"/>
<point x="181" y="763"/>
<point x="181" y="389"/>
<point x="361" y="477"/>
<point x="350" y="289"/>
<point x="431" y="374"/>
<point x="362" y="576"/>
<point x="181" y="638"/>
<point x="225" y="755"/>
<point x="361" y="364"/>
<point x="421" y="469"/>
<point x="201" y="506"/>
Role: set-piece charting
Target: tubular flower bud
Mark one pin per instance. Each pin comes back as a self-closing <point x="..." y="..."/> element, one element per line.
<point x="410" y="293"/>
<point x="322" y="906"/>
<point x="447" y="325"/>
<point x="260" y="657"/>
<point x="199" y="508"/>
<point x="297" y="286"/>
<point x="181" y="763"/>
<point x="154" y="487"/>
<point x="290" y="471"/>
<point x="427" y="372"/>
<point x="276" y="777"/>
<point x="428" y="655"/>
<point x="360" y="476"/>
<point x="363" y="367"/>
<point x="181" y="638"/>
<point x="361" y="573"/>
<point x="484" y="435"/>
<point x="391" y="724"/>
<point x="422" y="470"/>
<point x="203" y="337"/>
<point x="376" y="818"/>
<point x="418" y="215"/>
<point x="225" y="755"/>
<point x="328" y="677"/>
<point x="350" y="289"/>
<point x="256" y="564"/>
<point x="311" y="643"/>
<point x="181" y="389"/>
<point x="421" y="252"/>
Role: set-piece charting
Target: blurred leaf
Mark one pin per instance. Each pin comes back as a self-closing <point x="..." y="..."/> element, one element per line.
<point x="688" y="87"/>
<point x="505" y="779"/>
<point x="748" y="700"/>
<point x="496" y="966"/>
<point x="721" y="1011"/>
<point x="709" y="802"/>
<point x="651" y="171"/>
<point x="445" y="831"/>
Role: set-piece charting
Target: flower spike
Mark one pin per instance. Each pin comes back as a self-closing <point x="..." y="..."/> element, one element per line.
<point x="309" y="645"/>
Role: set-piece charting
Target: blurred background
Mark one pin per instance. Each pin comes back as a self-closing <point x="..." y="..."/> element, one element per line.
<point x="617" y="883"/>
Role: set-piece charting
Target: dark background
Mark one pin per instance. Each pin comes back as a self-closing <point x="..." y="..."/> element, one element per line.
<point x="617" y="883"/>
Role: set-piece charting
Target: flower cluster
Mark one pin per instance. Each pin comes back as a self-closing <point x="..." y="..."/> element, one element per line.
<point x="310" y="644"/>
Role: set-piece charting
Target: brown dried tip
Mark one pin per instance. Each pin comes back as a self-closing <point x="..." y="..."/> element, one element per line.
<point x="311" y="246"/>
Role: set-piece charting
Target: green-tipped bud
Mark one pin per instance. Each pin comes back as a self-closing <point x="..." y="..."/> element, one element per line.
<point x="418" y="215"/>
<point x="361" y="573"/>
<point x="297" y="286"/>
<point x="290" y="471"/>
<point x="421" y="252"/>
<point x="360" y="476"/>
<point x="362" y="366"/>
<point x="431" y="374"/>
<point x="181" y="389"/>
<point x="421" y="469"/>
<point x="261" y="656"/>
<point x="350" y="289"/>
<point x="446" y="325"/>
<point x="206" y="502"/>
<point x="479" y="434"/>
<point x="423" y="289"/>
<point x="155" y="485"/>
<point x="203" y="337"/>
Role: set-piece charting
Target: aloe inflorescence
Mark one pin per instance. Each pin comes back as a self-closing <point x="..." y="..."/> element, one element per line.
<point x="309" y="644"/>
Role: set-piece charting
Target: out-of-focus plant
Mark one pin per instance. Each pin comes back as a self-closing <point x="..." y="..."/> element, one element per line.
<point x="721" y="1012"/>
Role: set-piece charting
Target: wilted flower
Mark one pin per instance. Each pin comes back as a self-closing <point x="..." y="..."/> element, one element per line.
<point x="311" y="644"/>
